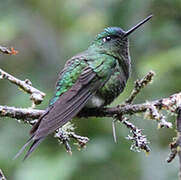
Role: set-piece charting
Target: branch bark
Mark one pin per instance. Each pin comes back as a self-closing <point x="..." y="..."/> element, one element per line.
<point x="170" y="104"/>
<point x="36" y="95"/>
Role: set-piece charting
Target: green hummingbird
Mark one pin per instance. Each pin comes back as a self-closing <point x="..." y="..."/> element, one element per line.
<point x="91" y="79"/>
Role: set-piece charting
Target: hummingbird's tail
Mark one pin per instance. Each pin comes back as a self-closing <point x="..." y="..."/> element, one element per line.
<point x="36" y="141"/>
<point x="31" y="149"/>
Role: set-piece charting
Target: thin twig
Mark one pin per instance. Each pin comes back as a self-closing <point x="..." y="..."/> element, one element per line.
<point x="175" y="146"/>
<point x="20" y="113"/>
<point x="153" y="113"/>
<point x="36" y="95"/>
<point x="65" y="133"/>
<point x="179" y="138"/>
<point x="2" y="177"/>
<point x="139" y="85"/>
<point x="139" y="140"/>
<point x="81" y="140"/>
<point x="173" y="153"/>
<point x="10" y="51"/>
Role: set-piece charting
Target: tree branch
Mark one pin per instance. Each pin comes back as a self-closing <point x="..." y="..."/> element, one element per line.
<point x="140" y="141"/>
<point x="139" y="85"/>
<point x="25" y="114"/>
<point x="170" y="104"/>
<point x="6" y="50"/>
<point x="175" y="146"/>
<point x="151" y="108"/>
<point x="65" y="133"/>
<point x="36" y="95"/>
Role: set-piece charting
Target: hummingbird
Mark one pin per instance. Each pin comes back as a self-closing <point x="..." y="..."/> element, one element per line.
<point x="91" y="79"/>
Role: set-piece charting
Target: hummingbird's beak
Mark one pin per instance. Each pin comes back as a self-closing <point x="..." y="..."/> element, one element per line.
<point x="127" y="33"/>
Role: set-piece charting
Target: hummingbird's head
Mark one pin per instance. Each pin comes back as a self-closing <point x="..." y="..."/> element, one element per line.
<point x="114" y="41"/>
<point x="111" y="41"/>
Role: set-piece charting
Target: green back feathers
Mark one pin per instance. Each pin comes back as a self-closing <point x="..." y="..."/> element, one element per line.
<point x="68" y="77"/>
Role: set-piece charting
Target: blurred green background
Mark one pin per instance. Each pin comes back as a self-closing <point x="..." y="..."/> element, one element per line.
<point x="48" y="32"/>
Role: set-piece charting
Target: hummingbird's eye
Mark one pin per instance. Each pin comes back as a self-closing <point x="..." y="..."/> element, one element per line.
<point x="107" y="38"/>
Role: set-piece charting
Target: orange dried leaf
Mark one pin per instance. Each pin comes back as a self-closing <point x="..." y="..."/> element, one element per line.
<point x="13" y="51"/>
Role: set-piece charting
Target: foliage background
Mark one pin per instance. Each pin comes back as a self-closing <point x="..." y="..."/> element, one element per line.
<point x="47" y="33"/>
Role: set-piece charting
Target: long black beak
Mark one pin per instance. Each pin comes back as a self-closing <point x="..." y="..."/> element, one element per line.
<point x="127" y="33"/>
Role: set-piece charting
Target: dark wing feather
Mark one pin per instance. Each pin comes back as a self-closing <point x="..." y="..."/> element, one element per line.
<point x="23" y="148"/>
<point x="35" y="127"/>
<point x="69" y="103"/>
<point x="33" y="147"/>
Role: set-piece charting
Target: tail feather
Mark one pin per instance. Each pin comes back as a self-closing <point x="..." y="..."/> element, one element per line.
<point x="36" y="125"/>
<point x="36" y="142"/>
<point x="23" y="148"/>
<point x="33" y="147"/>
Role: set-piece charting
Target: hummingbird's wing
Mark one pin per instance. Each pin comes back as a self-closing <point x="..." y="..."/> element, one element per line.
<point x="69" y="103"/>
<point x="88" y="77"/>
